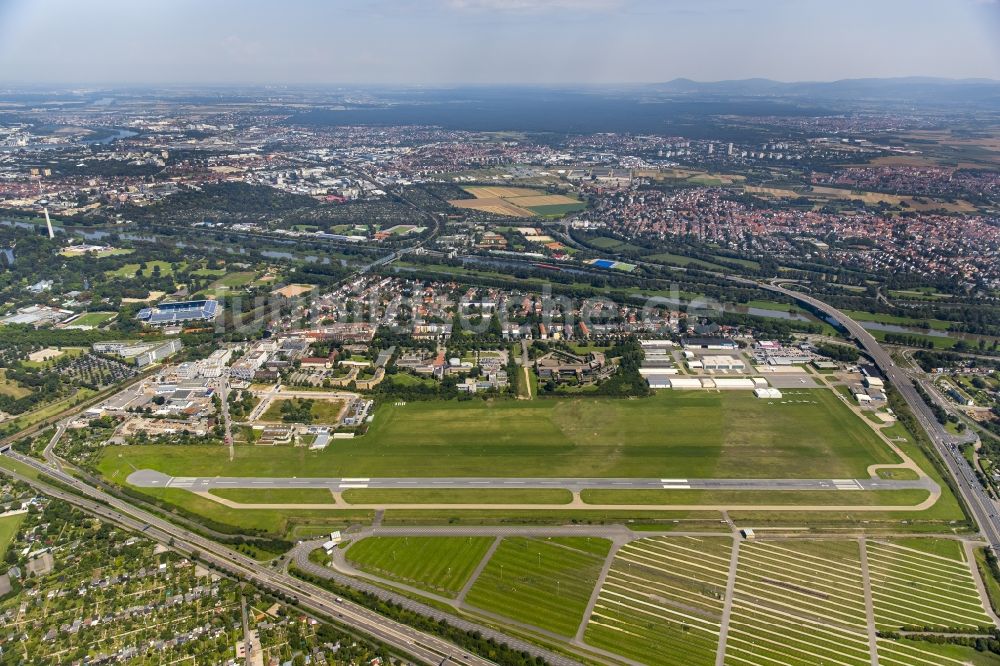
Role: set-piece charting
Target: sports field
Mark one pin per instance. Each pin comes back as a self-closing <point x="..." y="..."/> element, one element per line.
<point x="92" y="318"/>
<point x="672" y="435"/>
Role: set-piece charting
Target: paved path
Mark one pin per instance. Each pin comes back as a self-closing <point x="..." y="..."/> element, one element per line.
<point x="148" y="478"/>
<point x="866" y="580"/>
<point x="341" y="565"/>
<point x="603" y="576"/>
<point x="300" y="556"/>
<point x="460" y="599"/>
<point x="970" y="555"/>
<point x="727" y="606"/>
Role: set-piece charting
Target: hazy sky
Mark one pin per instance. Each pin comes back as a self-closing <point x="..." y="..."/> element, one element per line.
<point x="492" y="41"/>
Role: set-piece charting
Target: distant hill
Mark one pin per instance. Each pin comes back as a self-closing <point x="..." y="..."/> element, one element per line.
<point x="917" y="89"/>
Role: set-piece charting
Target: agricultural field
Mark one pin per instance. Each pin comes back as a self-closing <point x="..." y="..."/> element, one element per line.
<point x="518" y="202"/>
<point x="673" y="435"/>
<point x="924" y="583"/>
<point x="442" y="565"/>
<point x="544" y="583"/>
<point x="798" y="603"/>
<point x="820" y="195"/>
<point x="662" y="600"/>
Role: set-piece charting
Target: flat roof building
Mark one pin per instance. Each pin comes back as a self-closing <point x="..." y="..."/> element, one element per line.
<point x="179" y="312"/>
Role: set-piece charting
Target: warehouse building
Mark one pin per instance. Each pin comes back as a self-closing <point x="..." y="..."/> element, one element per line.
<point x="723" y="363"/>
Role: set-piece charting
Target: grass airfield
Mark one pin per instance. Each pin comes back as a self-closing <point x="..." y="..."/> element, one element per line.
<point x="672" y="435"/>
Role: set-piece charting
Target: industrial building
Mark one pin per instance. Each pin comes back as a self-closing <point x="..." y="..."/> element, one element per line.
<point x="709" y="343"/>
<point x="721" y="363"/>
<point x="707" y="383"/>
<point x="143" y="353"/>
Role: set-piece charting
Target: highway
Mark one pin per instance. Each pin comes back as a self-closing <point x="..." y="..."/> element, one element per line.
<point x="424" y="647"/>
<point x="983" y="508"/>
<point x="147" y="478"/>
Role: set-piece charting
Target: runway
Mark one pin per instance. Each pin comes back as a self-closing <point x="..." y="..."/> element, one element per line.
<point x="147" y="478"/>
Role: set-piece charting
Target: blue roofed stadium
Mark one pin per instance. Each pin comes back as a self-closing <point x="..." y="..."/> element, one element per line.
<point x="179" y="312"/>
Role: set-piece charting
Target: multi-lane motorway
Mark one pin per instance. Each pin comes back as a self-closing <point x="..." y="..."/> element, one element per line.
<point x="983" y="508"/>
<point x="430" y="649"/>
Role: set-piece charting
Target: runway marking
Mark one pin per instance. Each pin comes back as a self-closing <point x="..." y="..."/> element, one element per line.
<point x="673" y="480"/>
<point x="846" y="484"/>
<point x="676" y="486"/>
<point x="356" y="479"/>
<point x="354" y="485"/>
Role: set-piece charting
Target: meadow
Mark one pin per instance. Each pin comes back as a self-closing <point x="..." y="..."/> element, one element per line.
<point x="436" y="564"/>
<point x="8" y="530"/>
<point x="544" y="583"/>
<point x="676" y="435"/>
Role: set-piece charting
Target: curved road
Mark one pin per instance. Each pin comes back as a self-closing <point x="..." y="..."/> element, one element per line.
<point x="983" y="508"/>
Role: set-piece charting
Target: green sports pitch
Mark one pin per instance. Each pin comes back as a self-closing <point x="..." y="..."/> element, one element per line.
<point x="808" y="434"/>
